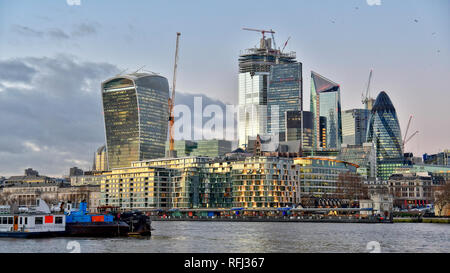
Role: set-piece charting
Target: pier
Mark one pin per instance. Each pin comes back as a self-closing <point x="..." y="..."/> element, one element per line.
<point x="331" y="215"/>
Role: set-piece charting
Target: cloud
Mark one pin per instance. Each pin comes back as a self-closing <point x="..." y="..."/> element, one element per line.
<point x="58" y="34"/>
<point x="15" y="70"/>
<point x="55" y="123"/>
<point x="85" y="29"/>
<point x="51" y="117"/>
<point x="26" y="31"/>
<point x="80" y="30"/>
<point x="373" y="2"/>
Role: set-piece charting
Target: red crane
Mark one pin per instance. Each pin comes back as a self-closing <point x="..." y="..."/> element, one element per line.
<point x="172" y="101"/>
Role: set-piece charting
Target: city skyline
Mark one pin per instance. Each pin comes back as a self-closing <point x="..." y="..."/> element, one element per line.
<point x="36" y="38"/>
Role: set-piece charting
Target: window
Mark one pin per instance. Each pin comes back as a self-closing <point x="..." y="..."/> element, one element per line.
<point x="26" y="220"/>
<point x="10" y="220"/>
<point x="58" y="220"/>
<point x="38" y="220"/>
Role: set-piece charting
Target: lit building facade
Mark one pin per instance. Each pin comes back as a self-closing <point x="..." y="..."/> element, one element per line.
<point x="186" y="182"/>
<point x="265" y="182"/>
<point x="100" y="161"/>
<point x="136" y="113"/>
<point x="326" y="102"/>
<point x="285" y="93"/>
<point x="320" y="176"/>
<point x="137" y="188"/>
<point x="216" y="191"/>
<point x="384" y="131"/>
<point x="354" y="126"/>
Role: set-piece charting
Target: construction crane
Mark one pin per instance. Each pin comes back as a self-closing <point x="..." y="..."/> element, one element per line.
<point x="262" y="32"/>
<point x="172" y="102"/>
<point x="273" y="39"/>
<point x="259" y="30"/>
<point x="366" y="98"/>
<point x="285" y="44"/>
<point x="406" y="134"/>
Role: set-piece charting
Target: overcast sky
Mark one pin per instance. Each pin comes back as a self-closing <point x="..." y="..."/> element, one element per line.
<point x="53" y="57"/>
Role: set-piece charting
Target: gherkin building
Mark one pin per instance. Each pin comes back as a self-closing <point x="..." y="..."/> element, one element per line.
<point x="384" y="131"/>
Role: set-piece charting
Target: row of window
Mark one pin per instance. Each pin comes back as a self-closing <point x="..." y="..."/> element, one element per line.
<point x="9" y="220"/>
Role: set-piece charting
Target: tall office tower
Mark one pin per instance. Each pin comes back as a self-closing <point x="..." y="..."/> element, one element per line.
<point x="254" y="70"/>
<point x="135" y="110"/>
<point x="354" y="126"/>
<point x="326" y="102"/>
<point x="285" y="93"/>
<point x="100" y="162"/>
<point x="293" y="124"/>
<point x="384" y="131"/>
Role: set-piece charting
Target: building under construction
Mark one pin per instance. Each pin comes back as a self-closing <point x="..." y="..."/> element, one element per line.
<point x="254" y="71"/>
<point x="259" y="59"/>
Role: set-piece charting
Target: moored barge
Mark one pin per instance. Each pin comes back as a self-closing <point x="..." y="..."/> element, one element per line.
<point x="81" y="224"/>
<point x="35" y="223"/>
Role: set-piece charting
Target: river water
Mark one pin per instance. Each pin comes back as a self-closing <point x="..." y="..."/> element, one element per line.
<point x="266" y="237"/>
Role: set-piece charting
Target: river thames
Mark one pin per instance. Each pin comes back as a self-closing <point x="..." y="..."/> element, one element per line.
<point x="265" y="237"/>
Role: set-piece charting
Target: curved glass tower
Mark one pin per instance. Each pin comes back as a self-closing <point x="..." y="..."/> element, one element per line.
<point x="384" y="131"/>
<point x="326" y="102"/>
<point x="135" y="108"/>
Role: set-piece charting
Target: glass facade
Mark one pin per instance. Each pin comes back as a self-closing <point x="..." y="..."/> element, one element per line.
<point x="284" y="94"/>
<point x="384" y="131"/>
<point x="326" y="102"/>
<point x="265" y="182"/>
<point x="137" y="188"/>
<point x="254" y="68"/>
<point x="211" y="148"/>
<point x="354" y="126"/>
<point x="363" y="155"/>
<point x="252" y="106"/>
<point x="319" y="176"/>
<point x="100" y="161"/>
<point x="293" y="123"/>
<point x="135" y="108"/>
<point x="186" y="183"/>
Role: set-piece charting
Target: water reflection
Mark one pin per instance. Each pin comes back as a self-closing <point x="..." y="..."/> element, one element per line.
<point x="170" y="237"/>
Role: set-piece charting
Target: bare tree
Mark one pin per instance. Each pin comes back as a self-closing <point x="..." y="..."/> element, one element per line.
<point x="350" y="186"/>
<point x="442" y="196"/>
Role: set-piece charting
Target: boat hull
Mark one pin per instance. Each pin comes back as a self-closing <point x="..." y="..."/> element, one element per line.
<point x="20" y="234"/>
<point x="97" y="229"/>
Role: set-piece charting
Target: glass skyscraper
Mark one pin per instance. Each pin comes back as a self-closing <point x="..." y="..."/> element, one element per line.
<point x="326" y="102"/>
<point x="135" y="108"/>
<point x="293" y="121"/>
<point x="284" y="94"/>
<point x="254" y="70"/>
<point x="354" y="126"/>
<point x="384" y="131"/>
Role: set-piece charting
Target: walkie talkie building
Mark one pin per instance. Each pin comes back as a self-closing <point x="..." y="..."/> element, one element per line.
<point x="135" y="108"/>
